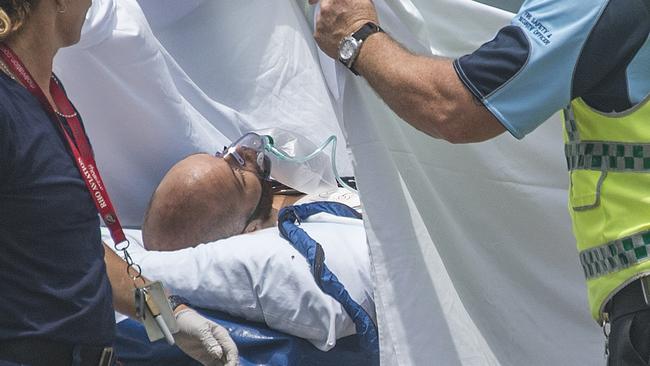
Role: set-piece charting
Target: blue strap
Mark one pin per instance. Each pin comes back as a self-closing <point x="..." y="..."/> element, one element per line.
<point x="327" y="281"/>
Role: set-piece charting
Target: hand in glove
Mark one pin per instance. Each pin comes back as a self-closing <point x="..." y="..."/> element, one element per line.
<point x="204" y="340"/>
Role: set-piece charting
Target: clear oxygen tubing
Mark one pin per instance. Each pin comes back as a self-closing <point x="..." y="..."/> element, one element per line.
<point x="303" y="159"/>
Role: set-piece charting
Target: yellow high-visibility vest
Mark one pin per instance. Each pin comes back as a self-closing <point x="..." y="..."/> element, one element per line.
<point x="608" y="156"/>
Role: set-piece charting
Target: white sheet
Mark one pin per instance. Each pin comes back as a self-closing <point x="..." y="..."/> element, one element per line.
<point x="261" y="277"/>
<point x="491" y="261"/>
<point x="143" y="113"/>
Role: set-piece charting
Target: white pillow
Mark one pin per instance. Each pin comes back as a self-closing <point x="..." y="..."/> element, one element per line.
<point x="261" y="277"/>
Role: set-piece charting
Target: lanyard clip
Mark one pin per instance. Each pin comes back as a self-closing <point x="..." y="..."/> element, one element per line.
<point x="645" y="287"/>
<point x="606" y="331"/>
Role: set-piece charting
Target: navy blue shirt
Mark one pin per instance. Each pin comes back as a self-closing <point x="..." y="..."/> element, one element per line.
<point x="53" y="281"/>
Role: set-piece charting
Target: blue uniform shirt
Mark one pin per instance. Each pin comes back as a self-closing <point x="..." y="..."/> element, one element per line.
<point x="53" y="281"/>
<point x="557" y="50"/>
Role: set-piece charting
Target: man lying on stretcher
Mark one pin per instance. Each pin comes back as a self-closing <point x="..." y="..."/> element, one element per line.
<point x="260" y="277"/>
<point x="204" y="198"/>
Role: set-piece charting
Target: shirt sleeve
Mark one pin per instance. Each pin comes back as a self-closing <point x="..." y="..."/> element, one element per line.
<point x="525" y="73"/>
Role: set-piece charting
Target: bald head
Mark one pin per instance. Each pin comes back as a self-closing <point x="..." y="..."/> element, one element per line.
<point x="200" y="199"/>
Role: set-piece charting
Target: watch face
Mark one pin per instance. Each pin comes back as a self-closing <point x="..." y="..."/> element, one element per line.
<point x="347" y="49"/>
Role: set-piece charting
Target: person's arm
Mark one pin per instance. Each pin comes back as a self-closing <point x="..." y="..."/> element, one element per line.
<point x="199" y="337"/>
<point x="424" y="91"/>
<point x="121" y="283"/>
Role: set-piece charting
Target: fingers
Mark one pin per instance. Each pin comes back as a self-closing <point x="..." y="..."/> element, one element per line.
<point x="338" y="19"/>
<point x="232" y="356"/>
<point x="211" y="343"/>
<point x="205" y="340"/>
<point x="230" y="352"/>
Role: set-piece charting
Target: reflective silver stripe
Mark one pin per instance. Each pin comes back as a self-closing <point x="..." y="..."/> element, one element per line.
<point x="615" y="255"/>
<point x="608" y="156"/>
<point x="570" y="124"/>
<point x="596" y="202"/>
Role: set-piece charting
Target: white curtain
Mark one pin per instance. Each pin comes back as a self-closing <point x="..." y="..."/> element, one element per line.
<point x="474" y="259"/>
<point x="225" y="68"/>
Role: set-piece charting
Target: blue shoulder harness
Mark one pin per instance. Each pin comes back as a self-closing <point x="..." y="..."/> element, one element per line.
<point x="326" y="280"/>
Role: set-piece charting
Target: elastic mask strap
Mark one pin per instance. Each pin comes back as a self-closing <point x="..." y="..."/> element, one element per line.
<point x="233" y="151"/>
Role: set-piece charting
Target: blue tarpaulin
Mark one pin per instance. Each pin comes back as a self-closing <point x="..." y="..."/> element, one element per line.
<point x="258" y="345"/>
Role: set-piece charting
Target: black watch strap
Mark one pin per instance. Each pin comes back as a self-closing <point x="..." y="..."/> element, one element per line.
<point x="367" y="29"/>
<point x="361" y="35"/>
<point x="175" y="301"/>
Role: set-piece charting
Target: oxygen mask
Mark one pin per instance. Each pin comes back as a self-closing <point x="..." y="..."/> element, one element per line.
<point x="289" y="158"/>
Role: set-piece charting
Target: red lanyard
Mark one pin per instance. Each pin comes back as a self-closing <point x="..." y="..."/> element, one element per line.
<point x="82" y="152"/>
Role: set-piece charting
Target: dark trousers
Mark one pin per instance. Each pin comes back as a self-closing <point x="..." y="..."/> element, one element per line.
<point x="629" y="339"/>
<point x="41" y="352"/>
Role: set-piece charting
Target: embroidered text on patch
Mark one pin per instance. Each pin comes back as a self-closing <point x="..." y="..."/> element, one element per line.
<point x="536" y="27"/>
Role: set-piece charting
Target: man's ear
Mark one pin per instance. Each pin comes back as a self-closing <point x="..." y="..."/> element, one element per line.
<point x="254" y="226"/>
<point x="258" y="224"/>
<point x="61" y="6"/>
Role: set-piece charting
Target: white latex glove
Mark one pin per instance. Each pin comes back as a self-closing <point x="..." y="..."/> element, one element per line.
<point x="204" y="340"/>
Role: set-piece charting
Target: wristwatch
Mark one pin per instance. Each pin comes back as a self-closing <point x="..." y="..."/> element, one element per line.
<point x="350" y="46"/>
<point x="175" y="301"/>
